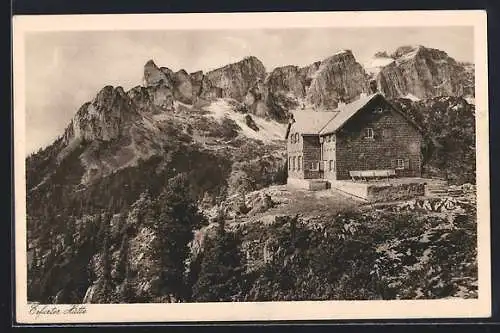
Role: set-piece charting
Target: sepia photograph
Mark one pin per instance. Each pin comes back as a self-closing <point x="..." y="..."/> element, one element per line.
<point x="191" y="167"/>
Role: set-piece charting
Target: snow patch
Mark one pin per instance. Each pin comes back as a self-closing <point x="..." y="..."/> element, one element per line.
<point x="269" y="130"/>
<point x="341" y="52"/>
<point x="408" y="56"/>
<point x="374" y="65"/>
<point x="412" y="97"/>
<point x="178" y="103"/>
<point x="219" y="109"/>
<point x="380" y="62"/>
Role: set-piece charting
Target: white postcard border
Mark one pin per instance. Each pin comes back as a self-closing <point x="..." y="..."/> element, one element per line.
<point x="307" y="310"/>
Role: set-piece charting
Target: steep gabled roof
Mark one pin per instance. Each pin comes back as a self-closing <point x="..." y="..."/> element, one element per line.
<point x="345" y="113"/>
<point x="310" y="122"/>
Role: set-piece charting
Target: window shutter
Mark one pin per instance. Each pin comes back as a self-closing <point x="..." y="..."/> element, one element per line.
<point x="407" y="163"/>
<point x="369" y="133"/>
<point x="393" y="164"/>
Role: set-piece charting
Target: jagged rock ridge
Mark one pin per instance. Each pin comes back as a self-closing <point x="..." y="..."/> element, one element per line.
<point x="415" y="71"/>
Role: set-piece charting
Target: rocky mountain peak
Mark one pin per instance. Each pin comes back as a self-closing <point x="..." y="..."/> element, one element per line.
<point x="103" y="118"/>
<point x="423" y="72"/>
<point x="107" y="96"/>
<point x="234" y="80"/>
<point x="286" y="79"/>
<point x="156" y="76"/>
<point x="339" y="77"/>
<point x="183" y="87"/>
<point x="253" y="60"/>
<point x="406" y="48"/>
<point x="339" y="55"/>
<point x="150" y="63"/>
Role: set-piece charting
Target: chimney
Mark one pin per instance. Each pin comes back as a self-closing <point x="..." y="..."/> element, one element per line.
<point x="341" y="101"/>
<point x="291" y="120"/>
<point x="373" y="87"/>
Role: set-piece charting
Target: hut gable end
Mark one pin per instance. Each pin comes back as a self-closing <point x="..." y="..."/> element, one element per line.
<point x="367" y="134"/>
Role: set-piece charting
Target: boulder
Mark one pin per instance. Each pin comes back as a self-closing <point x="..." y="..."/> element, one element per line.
<point x="251" y="123"/>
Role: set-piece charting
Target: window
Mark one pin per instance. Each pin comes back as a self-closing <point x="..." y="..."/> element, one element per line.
<point x="331" y="165"/>
<point x="369" y="133"/>
<point x="327" y="138"/>
<point x="293" y="163"/>
<point x="299" y="162"/>
<point x="314" y="166"/>
<point x="297" y="137"/>
<point x="289" y="163"/>
<point x="400" y="164"/>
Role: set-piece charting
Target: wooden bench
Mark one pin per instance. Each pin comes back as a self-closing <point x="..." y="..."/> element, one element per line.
<point x="371" y="174"/>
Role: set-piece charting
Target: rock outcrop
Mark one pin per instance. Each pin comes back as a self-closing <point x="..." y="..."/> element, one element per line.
<point x="410" y="71"/>
<point x="113" y="110"/>
<point x="183" y="88"/>
<point x="236" y="79"/>
<point x="153" y="99"/>
<point x="424" y="73"/>
<point x="338" y="78"/>
<point x="251" y="123"/>
<point x="197" y="82"/>
<point x="154" y="76"/>
<point x="103" y="117"/>
<point x="241" y="81"/>
<point x="287" y="79"/>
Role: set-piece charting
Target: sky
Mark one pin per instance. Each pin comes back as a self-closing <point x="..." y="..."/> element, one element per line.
<point x="66" y="69"/>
